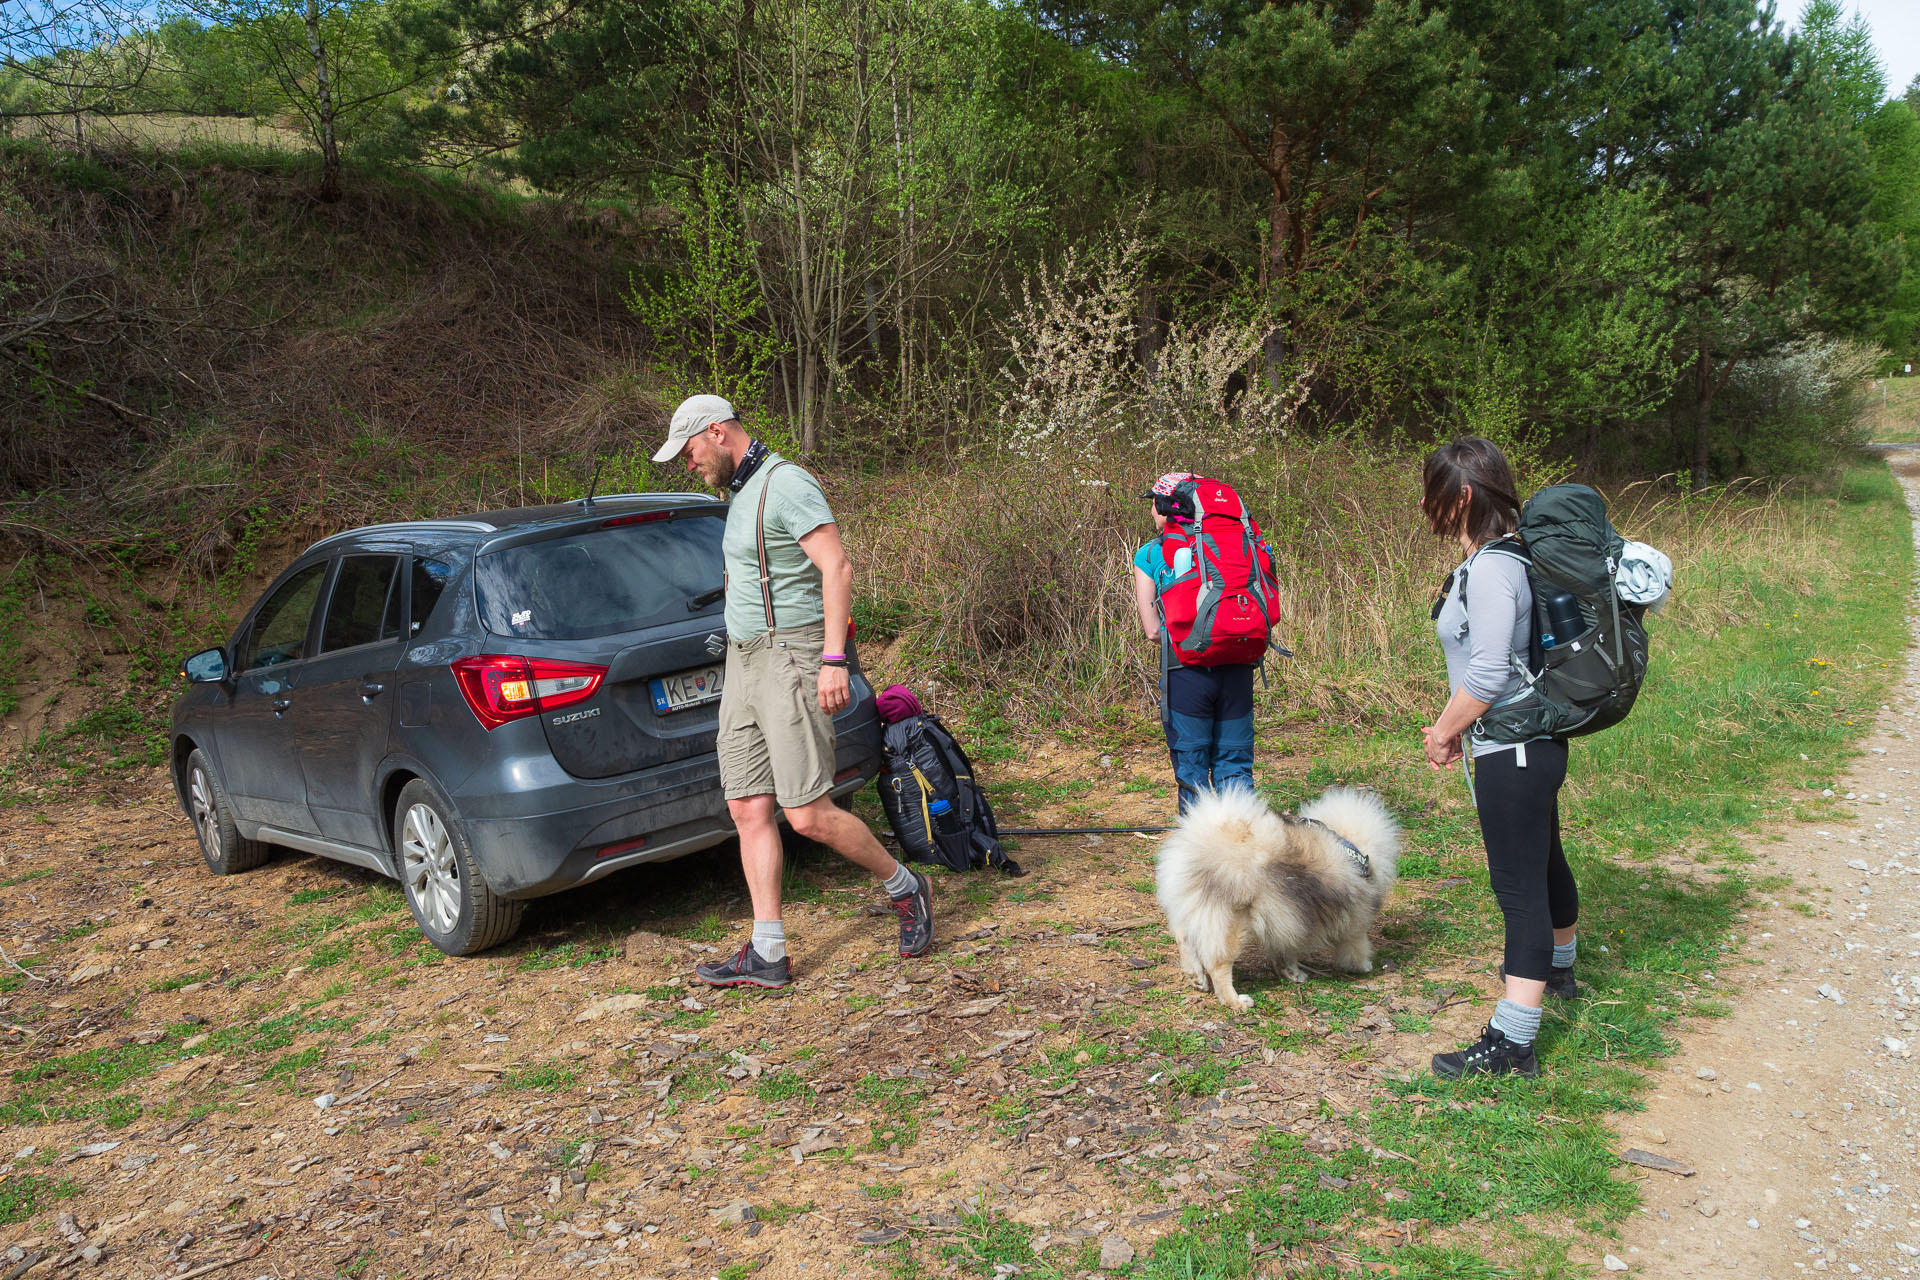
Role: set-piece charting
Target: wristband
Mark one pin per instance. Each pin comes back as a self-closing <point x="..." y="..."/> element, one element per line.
<point x="833" y="662"/>
<point x="829" y="657"/>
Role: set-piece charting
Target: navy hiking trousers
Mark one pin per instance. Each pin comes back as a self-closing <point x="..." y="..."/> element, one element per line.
<point x="1208" y="716"/>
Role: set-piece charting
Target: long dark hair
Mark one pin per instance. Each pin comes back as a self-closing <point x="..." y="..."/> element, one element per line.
<point x="1478" y="463"/>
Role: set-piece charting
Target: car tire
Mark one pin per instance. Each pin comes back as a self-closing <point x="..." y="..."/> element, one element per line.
<point x="449" y="898"/>
<point x="225" y="850"/>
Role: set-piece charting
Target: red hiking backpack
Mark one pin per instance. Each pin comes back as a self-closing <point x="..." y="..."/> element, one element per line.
<point x="1220" y="611"/>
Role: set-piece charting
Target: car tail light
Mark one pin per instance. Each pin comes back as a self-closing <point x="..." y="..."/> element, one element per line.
<point x="502" y="687"/>
<point x="645" y="517"/>
<point x="624" y="846"/>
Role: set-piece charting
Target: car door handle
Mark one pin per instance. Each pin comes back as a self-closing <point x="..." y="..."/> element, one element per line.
<point x="280" y="705"/>
<point x="369" y="690"/>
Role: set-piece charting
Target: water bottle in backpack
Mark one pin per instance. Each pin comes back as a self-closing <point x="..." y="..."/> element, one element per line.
<point x="1564" y="623"/>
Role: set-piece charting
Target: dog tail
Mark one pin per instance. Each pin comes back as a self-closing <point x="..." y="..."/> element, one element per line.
<point x="1217" y="840"/>
<point x="1361" y="817"/>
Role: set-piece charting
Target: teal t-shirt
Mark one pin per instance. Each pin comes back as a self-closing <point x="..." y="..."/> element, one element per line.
<point x="1152" y="561"/>
<point x="796" y="506"/>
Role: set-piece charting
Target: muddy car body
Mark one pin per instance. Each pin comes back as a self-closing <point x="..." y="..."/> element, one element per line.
<point x="488" y="709"/>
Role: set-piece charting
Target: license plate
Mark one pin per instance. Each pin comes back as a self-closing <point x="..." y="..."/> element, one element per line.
<point x="685" y="689"/>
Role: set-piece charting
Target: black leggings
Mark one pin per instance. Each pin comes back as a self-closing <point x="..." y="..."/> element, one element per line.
<point x="1520" y="823"/>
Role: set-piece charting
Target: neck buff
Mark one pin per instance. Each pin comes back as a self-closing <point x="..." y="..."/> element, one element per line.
<point x="755" y="455"/>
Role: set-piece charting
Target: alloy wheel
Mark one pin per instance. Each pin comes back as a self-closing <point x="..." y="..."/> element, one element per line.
<point x="206" y="813"/>
<point x="428" y="866"/>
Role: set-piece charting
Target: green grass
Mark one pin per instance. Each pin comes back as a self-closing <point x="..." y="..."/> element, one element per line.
<point x="1787" y="628"/>
<point x="547" y="1076"/>
<point x="24" y="1194"/>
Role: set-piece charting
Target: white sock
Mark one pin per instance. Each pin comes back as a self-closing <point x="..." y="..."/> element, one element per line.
<point x="1516" y="1022"/>
<point x="901" y="882"/>
<point x="770" y="940"/>
<point x="1563" y="952"/>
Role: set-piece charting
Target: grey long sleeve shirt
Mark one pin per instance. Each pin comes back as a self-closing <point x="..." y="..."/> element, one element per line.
<point x="1498" y="613"/>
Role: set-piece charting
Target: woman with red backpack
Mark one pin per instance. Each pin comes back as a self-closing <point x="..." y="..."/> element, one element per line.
<point x="1204" y="587"/>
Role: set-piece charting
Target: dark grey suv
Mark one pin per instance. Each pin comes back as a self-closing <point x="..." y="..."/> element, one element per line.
<point x="486" y="709"/>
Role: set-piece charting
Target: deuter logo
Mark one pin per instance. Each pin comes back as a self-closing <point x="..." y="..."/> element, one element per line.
<point x="588" y="714"/>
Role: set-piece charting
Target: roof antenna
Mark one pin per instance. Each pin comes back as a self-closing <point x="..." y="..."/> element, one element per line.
<point x="586" y="503"/>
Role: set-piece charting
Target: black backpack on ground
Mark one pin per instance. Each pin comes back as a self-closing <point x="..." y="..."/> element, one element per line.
<point x="1587" y="681"/>
<point x="925" y="766"/>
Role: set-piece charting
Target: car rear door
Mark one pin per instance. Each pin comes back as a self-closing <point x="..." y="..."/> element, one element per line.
<point x="636" y="596"/>
<point x="254" y="740"/>
<point x="347" y="695"/>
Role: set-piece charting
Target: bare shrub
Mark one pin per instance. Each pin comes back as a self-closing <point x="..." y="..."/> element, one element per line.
<point x="1075" y="387"/>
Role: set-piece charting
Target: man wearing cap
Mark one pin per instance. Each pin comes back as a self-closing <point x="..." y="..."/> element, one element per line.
<point x="789" y="593"/>
<point x="1207" y="712"/>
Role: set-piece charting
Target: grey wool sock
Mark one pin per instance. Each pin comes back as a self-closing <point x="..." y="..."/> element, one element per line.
<point x="901" y="882"/>
<point x="1516" y="1022"/>
<point x="1563" y="952"/>
<point x="770" y="940"/>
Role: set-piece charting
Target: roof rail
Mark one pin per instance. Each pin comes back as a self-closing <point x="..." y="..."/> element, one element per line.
<point x="420" y="526"/>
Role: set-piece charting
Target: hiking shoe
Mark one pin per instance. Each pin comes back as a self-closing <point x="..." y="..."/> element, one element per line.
<point x="916" y="918"/>
<point x="1491" y="1055"/>
<point x="1560" y="983"/>
<point x="746" y="969"/>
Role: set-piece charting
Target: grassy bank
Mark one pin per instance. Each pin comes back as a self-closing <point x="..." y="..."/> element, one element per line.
<point x="1771" y="662"/>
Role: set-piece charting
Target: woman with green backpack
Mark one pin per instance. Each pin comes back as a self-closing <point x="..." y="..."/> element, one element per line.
<point x="1484" y="617"/>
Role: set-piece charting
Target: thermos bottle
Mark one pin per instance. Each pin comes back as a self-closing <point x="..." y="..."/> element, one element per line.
<point x="1564" y="623"/>
<point x="945" y="820"/>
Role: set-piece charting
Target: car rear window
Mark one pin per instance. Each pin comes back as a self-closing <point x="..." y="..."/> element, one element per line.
<point x="602" y="581"/>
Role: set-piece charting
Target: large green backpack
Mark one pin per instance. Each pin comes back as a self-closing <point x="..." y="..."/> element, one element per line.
<point x="1589" y="682"/>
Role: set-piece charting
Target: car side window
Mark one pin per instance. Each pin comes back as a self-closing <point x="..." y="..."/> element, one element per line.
<point x="279" y="631"/>
<point x="430" y="579"/>
<point x="363" y="609"/>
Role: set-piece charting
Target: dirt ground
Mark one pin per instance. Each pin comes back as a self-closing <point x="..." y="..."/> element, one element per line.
<point x="1798" y="1111"/>
<point x="272" y="1075"/>
<point x="272" y="1069"/>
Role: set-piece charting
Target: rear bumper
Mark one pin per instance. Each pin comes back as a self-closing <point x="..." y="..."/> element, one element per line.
<point x="557" y="840"/>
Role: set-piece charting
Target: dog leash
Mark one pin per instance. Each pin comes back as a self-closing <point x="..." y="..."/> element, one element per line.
<point x="1361" y="863"/>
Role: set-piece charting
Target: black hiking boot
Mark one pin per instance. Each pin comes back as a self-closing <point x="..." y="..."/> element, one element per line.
<point x="916" y="918"/>
<point x="1491" y="1055"/>
<point x="746" y="969"/>
<point x="1560" y="983"/>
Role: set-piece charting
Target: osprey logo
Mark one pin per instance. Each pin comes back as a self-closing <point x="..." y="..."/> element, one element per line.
<point x="716" y="644"/>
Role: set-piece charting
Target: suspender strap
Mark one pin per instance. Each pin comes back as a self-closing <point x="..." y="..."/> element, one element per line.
<point x="760" y="537"/>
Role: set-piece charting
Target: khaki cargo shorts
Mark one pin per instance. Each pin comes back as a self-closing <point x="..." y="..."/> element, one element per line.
<point x="774" y="738"/>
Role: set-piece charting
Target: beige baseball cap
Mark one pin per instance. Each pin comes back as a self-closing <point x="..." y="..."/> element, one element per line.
<point x="695" y="414"/>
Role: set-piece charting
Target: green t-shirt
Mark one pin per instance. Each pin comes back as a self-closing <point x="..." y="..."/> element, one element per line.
<point x="795" y="508"/>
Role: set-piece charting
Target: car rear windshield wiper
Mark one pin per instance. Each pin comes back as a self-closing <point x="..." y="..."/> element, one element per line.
<point x="705" y="598"/>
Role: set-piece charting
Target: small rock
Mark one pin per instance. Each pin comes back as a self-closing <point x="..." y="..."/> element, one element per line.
<point x="611" y="1005"/>
<point x="88" y="972"/>
<point x="885" y="1235"/>
<point x="498" y="1217"/>
<point x="96" y="1149"/>
<point x="193" y="1042"/>
<point x="737" y="1212"/>
<point x="1753" y="1223"/>
<point x="1707" y="1208"/>
<point x="1115" y="1252"/>
<point x="1707" y="1073"/>
<point x="1656" y="1135"/>
<point x="1613" y="1264"/>
<point x="324" y="1101"/>
<point x="1858" y="864"/>
<point x="93" y="1255"/>
<point x="1826" y="989"/>
<point x="1802" y="1223"/>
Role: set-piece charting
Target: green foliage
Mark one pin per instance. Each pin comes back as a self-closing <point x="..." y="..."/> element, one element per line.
<point x="706" y="310"/>
<point x="24" y="1194"/>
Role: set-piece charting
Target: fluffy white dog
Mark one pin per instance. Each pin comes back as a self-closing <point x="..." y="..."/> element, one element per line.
<point x="1234" y="872"/>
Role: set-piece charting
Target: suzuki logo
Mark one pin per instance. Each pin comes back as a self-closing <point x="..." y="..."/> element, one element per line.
<point x="716" y="644"/>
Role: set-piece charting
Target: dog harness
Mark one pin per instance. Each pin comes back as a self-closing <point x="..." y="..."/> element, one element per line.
<point x="1361" y="862"/>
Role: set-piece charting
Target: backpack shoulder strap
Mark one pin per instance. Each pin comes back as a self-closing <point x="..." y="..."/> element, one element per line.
<point x="760" y="540"/>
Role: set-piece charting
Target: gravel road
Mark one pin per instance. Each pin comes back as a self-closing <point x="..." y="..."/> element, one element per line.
<point x="1797" y="1111"/>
